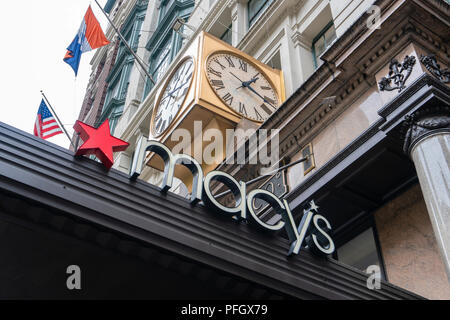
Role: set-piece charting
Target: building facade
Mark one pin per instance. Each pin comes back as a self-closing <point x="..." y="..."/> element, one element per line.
<point x="366" y="86"/>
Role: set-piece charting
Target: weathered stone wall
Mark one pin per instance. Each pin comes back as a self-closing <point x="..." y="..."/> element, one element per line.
<point x="409" y="247"/>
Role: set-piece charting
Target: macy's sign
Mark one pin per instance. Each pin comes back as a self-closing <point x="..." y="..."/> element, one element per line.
<point x="312" y="230"/>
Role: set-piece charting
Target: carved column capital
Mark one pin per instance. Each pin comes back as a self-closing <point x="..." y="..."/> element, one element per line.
<point x="423" y="123"/>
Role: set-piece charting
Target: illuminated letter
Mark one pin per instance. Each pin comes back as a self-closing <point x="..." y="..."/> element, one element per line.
<point x="273" y="201"/>
<point x="197" y="175"/>
<point x="238" y="190"/>
<point x="143" y="146"/>
<point x="320" y="236"/>
<point x="296" y="235"/>
<point x="170" y="160"/>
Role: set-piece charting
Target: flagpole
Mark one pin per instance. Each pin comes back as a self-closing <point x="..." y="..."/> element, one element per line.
<point x="126" y="44"/>
<point x="57" y="119"/>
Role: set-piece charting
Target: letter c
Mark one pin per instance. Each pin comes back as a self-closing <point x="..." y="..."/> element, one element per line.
<point x="273" y="201"/>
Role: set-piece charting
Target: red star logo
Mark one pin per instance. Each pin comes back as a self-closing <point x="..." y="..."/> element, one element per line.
<point x="99" y="142"/>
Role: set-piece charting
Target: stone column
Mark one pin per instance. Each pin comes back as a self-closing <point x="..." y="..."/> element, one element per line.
<point x="428" y="143"/>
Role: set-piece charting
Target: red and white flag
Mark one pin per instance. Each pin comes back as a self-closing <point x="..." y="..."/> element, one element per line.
<point x="45" y="125"/>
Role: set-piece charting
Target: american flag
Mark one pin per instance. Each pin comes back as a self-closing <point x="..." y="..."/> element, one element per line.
<point x="45" y="125"/>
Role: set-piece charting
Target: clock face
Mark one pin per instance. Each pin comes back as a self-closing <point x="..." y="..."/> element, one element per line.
<point x="173" y="96"/>
<point x="241" y="86"/>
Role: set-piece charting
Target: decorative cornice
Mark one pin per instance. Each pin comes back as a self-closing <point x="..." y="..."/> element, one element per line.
<point x="300" y="40"/>
<point x="308" y="89"/>
<point x="416" y="93"/>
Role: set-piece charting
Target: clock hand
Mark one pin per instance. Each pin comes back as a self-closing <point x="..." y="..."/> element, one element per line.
<point x="237" y="77"/>
<point x="175" y="90"/>
<point x="252" y="81"/>
<point x="253" y="90"/>
<point x="181" y="86"/>
<point x="247" y="83"/>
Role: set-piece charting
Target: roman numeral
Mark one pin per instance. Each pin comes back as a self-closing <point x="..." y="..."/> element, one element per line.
<point x="266" y="109"/>
<point x="242" y="109"/>
<point x="216" y="73"/>
<point x="230" y="62"/>
<point x="258" y="115"/>
<point x="228" y="98"/>
<point x="158" y="125"/>
<point x="266" y="88"/>
<point x="218" y="84"/>
<point x="221" y="65"/>
<point x="189" y="75"/>
<point x="271" y="101"/>
<point x="243" y="65"/>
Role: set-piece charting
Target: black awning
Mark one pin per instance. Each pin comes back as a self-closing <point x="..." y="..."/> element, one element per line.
<point x="48" y="192"/>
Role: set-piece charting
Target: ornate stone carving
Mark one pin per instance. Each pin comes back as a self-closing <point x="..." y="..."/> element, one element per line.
<point x="423" y="123"/>
<point x="396" y="74"/>
<point x="430" y="62"/>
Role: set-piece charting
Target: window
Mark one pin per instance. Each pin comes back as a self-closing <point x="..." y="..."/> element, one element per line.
<point x="161" y="61"/>
<point x="118" y="89"/>
<point x="115" y="97"/>
<point x="136" y="33"/>
<point x="114" y="117"/>
<point x="275" y="61"/>
<point x="227" y="36"/>
<point x="165" y="43"/>
<point x="256" y="9"/>
<point x="361" y="251"/>
<point x="165" y="5"/>
<point x="321" y="43"/>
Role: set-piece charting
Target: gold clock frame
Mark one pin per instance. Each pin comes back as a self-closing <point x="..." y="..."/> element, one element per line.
<point x="268" y="79"/>
<point x="203" y="104"/>
<point x="169" y="78"/>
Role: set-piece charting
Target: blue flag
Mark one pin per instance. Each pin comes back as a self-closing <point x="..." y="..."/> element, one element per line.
<point x="90" y="36"/>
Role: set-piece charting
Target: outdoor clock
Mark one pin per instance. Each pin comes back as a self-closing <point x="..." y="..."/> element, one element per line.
<point x="241" y="86"/>
<point x="172" y="96"/>
<point x="213" y="88"/>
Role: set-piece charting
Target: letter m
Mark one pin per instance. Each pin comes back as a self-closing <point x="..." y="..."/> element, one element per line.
<point x="170" y="160"/>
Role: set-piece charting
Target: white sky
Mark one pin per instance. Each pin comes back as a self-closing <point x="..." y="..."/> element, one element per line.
<point x="35" y="35"/>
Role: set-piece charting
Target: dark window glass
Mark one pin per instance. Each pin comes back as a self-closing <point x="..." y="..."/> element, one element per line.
<point x="360" y="252"/>
<point x="275" y="62"/>
<point x="227" y="36"/>
<point x="321" y="43"/>
<point x="256" y="9"/>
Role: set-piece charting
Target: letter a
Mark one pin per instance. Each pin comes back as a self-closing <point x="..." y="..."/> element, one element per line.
<point x="74" y="280"/>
